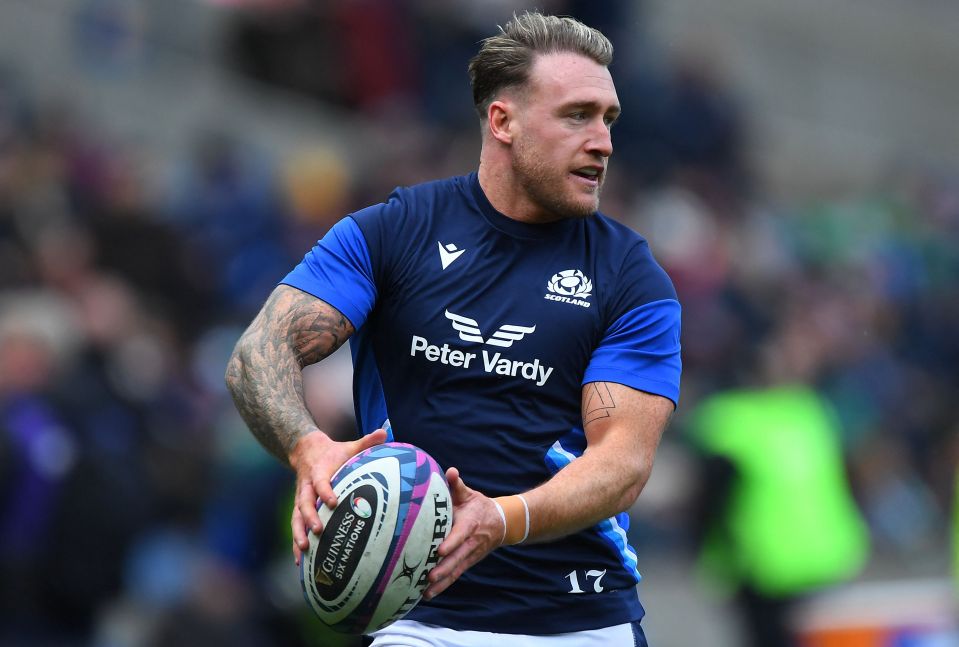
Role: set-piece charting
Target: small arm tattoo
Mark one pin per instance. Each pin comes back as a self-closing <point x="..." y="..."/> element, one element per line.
<point x="264" y="375"/>
<point x="599" y="402"/>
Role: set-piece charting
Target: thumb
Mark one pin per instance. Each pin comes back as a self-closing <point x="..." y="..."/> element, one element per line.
<point x="369" y="440"/>
<point x="458" y="488"/>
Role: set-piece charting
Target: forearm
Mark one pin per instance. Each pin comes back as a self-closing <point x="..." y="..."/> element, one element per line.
<point x="264" y="374"/>
<point x="623" y="427"/>
<point x="593" y="487"/>
<point x="599" y="484"/>
<point x="267" y="388"/>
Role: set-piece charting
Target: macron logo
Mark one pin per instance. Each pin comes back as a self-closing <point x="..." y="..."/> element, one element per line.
<point x="448" y="253"/>
<point x="504" y="336"/>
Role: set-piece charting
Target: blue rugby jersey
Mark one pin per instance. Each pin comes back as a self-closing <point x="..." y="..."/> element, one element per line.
<point x="475" y="334"/>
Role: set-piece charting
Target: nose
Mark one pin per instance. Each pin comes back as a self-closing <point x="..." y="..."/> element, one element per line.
<point x="601" y="140"/>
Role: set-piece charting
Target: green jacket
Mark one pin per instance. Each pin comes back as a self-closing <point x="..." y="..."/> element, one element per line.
<point x="790" y="524"/>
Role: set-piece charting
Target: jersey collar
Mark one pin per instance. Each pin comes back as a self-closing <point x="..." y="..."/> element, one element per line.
<point x="513" y="227"/>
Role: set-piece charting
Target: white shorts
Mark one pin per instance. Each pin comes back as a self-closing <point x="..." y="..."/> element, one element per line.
<point x="409" y="633"/>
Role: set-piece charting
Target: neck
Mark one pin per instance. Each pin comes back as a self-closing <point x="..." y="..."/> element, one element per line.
<point x="504" y="193"/>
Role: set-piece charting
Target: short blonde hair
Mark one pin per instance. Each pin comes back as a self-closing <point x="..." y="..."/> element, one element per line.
<point x="505" y="60"/>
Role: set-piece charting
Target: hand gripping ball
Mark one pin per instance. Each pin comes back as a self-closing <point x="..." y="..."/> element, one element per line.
<point x="368" y="566"/>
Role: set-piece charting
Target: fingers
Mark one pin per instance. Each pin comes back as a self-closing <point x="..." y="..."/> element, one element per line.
<point x="304" y="520"/>
<point x="461" y="495"/>
<point x="306" y="498"/>
<point x="300" y="541"/>
<point x="315" y="484"/>
<point x="322" y="489"/>
<point x="435" y="588"/>
<point x="476" y="531"/>
<point x="457" y="535"/>
<point x="467" y="553"/>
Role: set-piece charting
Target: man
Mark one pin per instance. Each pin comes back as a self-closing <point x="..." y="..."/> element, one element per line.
<point x="502" y="324"/>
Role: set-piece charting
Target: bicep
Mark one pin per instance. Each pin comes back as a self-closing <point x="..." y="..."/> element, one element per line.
<point x="619" y="418"/>
<point x="310" y="327"/>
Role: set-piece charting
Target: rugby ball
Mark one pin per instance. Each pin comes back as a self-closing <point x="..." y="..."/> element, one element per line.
<point x="368" y="566"/>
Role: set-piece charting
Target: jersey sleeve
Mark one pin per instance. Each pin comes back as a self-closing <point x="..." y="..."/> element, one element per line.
<point x="339" y="271"/>
<point x="641" y="348"/>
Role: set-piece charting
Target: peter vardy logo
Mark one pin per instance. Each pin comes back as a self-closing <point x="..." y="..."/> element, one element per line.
<point x="504" y="336"/>
<point x="448" y="253"/>
<point x="492" y="363"/>
<point x="569" y="286"/>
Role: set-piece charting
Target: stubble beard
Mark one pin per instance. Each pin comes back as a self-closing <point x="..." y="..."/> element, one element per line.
<point x="547" y="187"/>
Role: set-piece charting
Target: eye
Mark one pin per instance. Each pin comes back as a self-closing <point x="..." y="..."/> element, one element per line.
<point x="610" y="121"/>
<point x="579" y="115"/>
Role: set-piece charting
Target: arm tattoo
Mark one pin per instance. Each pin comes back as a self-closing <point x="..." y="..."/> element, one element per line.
<point x="599" y="402"/>
<point x="314" y="333"/>
<point x="264" y="375"/>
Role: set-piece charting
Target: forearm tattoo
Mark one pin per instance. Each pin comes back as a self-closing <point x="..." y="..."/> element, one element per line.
<point x="264" y="375"/>
<point x="599" y="402"/>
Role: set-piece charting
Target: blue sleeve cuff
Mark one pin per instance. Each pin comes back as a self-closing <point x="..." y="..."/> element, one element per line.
<point x="641" y="350"/>
<point x="338" y="270"/>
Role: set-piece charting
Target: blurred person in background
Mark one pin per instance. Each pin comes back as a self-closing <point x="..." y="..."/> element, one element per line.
<point x="40" y="456"/>
<point x="775" y="516"/>
<point x="955" y="534"/>
<point x="519" y="245"/>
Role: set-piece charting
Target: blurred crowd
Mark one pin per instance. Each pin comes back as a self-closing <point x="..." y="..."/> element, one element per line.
<point x="135" y="508"/>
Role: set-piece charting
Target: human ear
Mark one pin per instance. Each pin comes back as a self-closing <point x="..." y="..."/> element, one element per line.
<point x="499" y="116"/>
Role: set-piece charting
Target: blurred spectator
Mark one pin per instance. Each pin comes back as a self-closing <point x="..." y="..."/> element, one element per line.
<point x="84" y="385"/>
<point x="955" y="534"/>
<point x="225" y="203"/>
<point x="110" y="35"/>
<point x="132" y="241"/>
<point x="775" y="514"/>
<point x="43" y="455"/>
<point x="703" y="125"/>
<point x="316" y="188"/>
<point x="288" y="48"/>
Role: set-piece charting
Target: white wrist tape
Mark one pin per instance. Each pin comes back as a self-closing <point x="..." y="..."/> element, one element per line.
<point x="502" y="516"/>
<point x="526" y="508"/>
<point x="512" y="517"/>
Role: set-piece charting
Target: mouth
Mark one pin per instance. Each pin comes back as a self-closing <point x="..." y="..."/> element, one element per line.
<point x="590" y="175"/>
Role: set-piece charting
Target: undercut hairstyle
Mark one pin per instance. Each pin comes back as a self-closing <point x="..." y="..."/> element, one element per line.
<point x="505" y="60"/>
